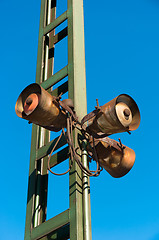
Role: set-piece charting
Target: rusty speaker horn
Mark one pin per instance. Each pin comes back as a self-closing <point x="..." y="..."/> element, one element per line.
<point x="36" y="105"/>
<point x="114" y="157"/>
<point x="119" y="115"/>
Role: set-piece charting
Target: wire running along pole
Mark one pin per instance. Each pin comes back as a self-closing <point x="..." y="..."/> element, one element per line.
<point x="73" y="154"/>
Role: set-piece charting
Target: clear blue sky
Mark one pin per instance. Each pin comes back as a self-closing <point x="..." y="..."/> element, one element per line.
<point x="122" y="56"/>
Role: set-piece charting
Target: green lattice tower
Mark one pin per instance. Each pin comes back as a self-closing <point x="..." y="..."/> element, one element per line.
<point x="74" y="223"/>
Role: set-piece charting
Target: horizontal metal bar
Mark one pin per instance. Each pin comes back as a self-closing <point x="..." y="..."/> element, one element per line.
<point x="63" y="88"/>
<point x="62" y="233"/>
<point x="45" y="150"/>
<point x="59" y="36"/>
<point x="51" y="225"/>
<point x="55" y="23"/>
<point x="55" y="78"/>
<point x="59" y="157"/>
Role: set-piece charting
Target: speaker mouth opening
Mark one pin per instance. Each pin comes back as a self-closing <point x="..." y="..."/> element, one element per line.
<point x="31" y="103"/>
<point x="124" y="114"/>
<point x="130" y="115"/>
<point x="22" y="108"/>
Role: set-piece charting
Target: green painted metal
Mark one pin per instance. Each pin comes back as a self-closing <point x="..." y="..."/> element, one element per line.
<point x="62" y="88"/>
<point x="62" y="233"/>
<point x="77" y="91"/>
<point x="59" y="157"/>
<point x="61" y="35"/>
<point x="31" y="185"/>
<point x="74" y="223"/>
<point x="55" y="24"/>
<point x="50" y="225"/>
<point x="38" y="177"/>
<point x="45" y="150"/>
<point x="86" y="195"/>
<point x="55" y="78"/>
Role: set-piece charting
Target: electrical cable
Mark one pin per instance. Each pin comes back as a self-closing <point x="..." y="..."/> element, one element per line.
<point x="49" y="157"/>
<point x="72" y="121"/>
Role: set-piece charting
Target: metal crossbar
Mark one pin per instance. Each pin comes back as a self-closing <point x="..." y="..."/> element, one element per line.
<point x="51" y="225"/>
<point x="74" y="223"/>
<point x="55" y="23"/>
<point x="55" y="78"/>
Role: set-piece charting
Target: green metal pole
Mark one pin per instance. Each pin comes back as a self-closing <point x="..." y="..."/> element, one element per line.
<point x="77" y="92"/>
<point x="36" y="189"/>
<point x="39" y="173"/>
<point x="77" y="217"/>
<point x="86" y="196"/>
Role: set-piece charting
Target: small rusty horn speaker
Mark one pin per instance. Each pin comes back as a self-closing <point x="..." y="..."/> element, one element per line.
<point x="114" y="157"/>
<point x="38" y="106"/>
<point x="119" y="115"/>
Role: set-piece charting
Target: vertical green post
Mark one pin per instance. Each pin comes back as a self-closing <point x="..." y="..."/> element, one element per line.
<point x="77" y="92"/>
<point x="86" y="196"/>
<point x="77" y="219"/>
<point x="38" y="176"/>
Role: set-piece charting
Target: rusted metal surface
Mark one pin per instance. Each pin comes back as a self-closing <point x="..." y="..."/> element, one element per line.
<point x="115" y="158"/>
<point x="39" y="107"/>
<point x="119" y="115"/>
<point x="46" y="111"/>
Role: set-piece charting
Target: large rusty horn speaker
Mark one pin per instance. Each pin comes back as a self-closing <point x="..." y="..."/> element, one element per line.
<point x="36" y="105"/>
<point x="119" y="115"/>
<point x="114" y="157"/>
